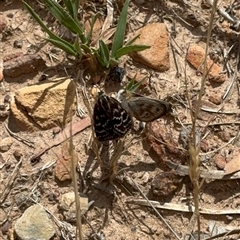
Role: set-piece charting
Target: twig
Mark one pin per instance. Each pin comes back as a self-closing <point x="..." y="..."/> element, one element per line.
<point x="10" y="182"/>
<point x="23" y="140"/>
<point x="64" y="135"/>
<point x="231" y="19"/>
<point x="235" y="72"/>
<point x="207" y="109"/>
<point x="206" y="174"/>
<point x="181" y="207"/>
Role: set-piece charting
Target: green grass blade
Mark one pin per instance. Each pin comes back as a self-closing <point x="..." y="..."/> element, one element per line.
<point x="104" y="53"/>
<point x="120" y="31"/>
<point x="86" y="49"/>
<point x="93" y="20"/>
<point x="75" y="7"/>
<point x="99" y="58"/>
<point x="132" y="40"/>
<point x="65" y="18"/>
<point x="77" y="47"/>
<point x="128" y="49"/>
<point x="135" y="87"/>
<point x="68" y="48"/>
<point x="69" y="7"/>
<point x="40" y="22"/>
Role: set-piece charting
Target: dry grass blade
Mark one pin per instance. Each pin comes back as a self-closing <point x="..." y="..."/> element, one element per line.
<point x="181" y="207"/>
<point x="194" y="140"/>
<point x="10" y="182"/>
<point x="75" y="186"/>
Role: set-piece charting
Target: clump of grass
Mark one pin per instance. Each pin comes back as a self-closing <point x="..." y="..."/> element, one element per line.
<point x="101" y="54"/>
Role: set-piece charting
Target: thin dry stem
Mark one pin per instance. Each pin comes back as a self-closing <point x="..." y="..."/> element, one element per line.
<point x="194" y="140"/>
<point x="74" y="178"/>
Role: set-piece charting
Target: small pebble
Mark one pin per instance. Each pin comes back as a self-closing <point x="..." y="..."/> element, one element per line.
<point x="10" y="15"/>
<point x="2" y="107"/>
<point x="5" y="144"/>
<point x="43" y="77"/>
<point x="220" y="161"/>
<point x="18" y="44"/>
<point x="215" y="98"/>
<point x="225" y="136"/>
<point x="17" y="154"/>
<point x="7" y="99"/>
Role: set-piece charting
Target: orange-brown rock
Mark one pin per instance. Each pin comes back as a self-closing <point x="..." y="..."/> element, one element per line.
<point x="195" y="57"/>
<point x="44" y="106"/>
<point x="156" y="57"/>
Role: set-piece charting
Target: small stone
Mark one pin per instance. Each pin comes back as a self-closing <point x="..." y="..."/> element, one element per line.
<point x="220" y="161"/>
<point x="225" y="136"/>
<point x="55" y="101"/>
<point x="215" y="98"/>
<point x="34" y="224"/>
<point x="67" y="204"/>
<point x="3" y="23"/>
<point x="17" y="154"/>
<point x="5" y="144"/>
<point x="10" y="15"/>
<point x="204" y="145"/>
<point x="7" y="99"/>
<point x="5" y="227"/>
<point x="18" y="44"/>
<point x="2" y="107"/>
<point x="195" y="57"/>
<point x="56" y="130"/>
<point x="165" y="183"/>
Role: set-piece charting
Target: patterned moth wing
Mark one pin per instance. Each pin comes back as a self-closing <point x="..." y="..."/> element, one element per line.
<point x="146" y="109"/>
<point x="111" y="121"/>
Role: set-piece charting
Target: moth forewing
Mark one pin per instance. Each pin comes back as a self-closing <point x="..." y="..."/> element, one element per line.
<point x="111" y="121"/>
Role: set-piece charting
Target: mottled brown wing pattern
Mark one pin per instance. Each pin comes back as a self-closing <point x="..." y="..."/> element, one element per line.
<point x="147" y="109"/>
<point x="111" y="121"/>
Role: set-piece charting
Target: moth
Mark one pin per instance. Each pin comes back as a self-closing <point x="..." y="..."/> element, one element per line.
<point x="111" y="120"/>
<point x="142" y="108"/>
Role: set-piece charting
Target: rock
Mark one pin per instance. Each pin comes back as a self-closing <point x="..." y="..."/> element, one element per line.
<point x="44" y="106"/>
<point x="215" y="98"/>
<point x="195" y="57"/>
<point x="3" y="23"/>
<point x="156" y="135"/>
<point x="224" y="135"/>
<point x="156" y="57"/>
<point x="22" y="64"/>
<point x="5" y="144"/>
<point x="204" y="145"/>
<point x="17" y="154"/>
<point x="165" y="183"/>
<point x="220" y="161"/>
<point x="34" y="224"/>
<point x="67" y="204"/>
<point x="18" y="44"/>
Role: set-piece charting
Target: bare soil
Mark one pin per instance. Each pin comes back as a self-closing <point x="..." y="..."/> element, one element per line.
<point x="110" y="216"/>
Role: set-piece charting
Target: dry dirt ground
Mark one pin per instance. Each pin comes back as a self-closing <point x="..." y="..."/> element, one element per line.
<point x="111" y="213"/>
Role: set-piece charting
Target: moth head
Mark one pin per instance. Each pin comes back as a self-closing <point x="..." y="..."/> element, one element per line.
<point x="123" y="95"/>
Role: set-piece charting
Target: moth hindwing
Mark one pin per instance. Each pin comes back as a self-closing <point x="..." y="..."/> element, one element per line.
<point x="142" y="108"/>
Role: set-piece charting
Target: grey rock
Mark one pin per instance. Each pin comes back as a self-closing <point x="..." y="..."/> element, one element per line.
<point x="34" y="224"/>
